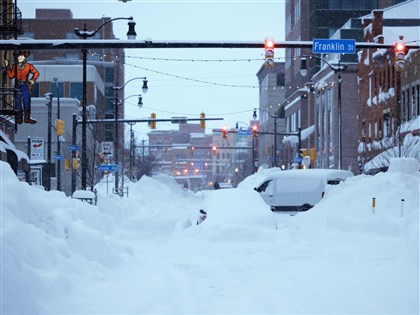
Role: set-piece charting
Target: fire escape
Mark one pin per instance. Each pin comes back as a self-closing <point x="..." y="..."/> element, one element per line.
<point x="10" y="28"/>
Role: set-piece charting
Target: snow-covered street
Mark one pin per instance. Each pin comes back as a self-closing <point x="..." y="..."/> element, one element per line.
<point x="145" y="254"/>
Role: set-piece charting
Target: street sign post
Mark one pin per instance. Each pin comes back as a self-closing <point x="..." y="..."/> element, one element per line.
<point x="334" y="46"/>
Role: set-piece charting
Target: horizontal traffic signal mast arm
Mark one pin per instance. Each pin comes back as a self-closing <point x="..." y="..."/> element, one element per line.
<point x="219" y="148"/>
<point x="33" y="44"/>
<point x="145" y="120"/>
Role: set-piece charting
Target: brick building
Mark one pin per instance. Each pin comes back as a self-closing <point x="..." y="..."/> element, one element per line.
<point x="388" y="96"/>
<point x="305" y="21"/>
<point x="61" y="73"/>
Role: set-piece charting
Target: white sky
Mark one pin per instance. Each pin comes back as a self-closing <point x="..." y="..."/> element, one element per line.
<point x="188" y="21"/>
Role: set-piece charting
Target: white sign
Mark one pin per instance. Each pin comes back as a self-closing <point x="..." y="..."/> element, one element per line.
<point x="107" y="148"/>
<point x="37" y="149"/>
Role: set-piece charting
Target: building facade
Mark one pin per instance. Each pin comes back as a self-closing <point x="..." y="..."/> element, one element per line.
<point x="271" y="115"/>
<point x="389" y="101"/>
<point x="307" y="97"/>
<point x="61" y="74"/>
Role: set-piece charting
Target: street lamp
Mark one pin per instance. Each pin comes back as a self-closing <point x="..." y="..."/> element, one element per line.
<point x="116" y="103"/>
<point x="131" y="34"/>
<point x="58" y="137"/>
<point x="337" y="69"/>
<point x="275" y="117"/>
<point x="49" y="97"/>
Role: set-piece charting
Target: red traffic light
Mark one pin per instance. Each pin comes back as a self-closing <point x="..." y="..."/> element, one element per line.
<point x="214" y="149"/>
<point x="254" y="130"/>
<point x="224" y="132"/>
<point x="399" y="47"/>
<point x="269" y="43"/>
<point x="269" y="52"/>
<point x="400" y="50"/>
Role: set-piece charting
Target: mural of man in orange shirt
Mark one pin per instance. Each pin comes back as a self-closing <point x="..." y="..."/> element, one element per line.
<point x="26" y="75"/>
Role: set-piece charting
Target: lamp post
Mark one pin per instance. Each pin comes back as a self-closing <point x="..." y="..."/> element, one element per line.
<point x="116" y="137"/>
<point x="337" y="69"/>
<point x="131" y="34"/>
<point x="275" y="131"/>
<point x="49" y="97"/>
<point x="58" y="137"/>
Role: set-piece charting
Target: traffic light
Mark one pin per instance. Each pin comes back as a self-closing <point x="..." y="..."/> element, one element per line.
<point x="400" y="50"/>
<point x="214" y="150"/>
<point x="224" y="132"/>
<point x="192" y="150"/>
<point x="152" y="123"/>
<point x="67" y="165"/>
<point x="255" y="130"/>
<point x="202" y="121"/>
<point x="269" y="52"/>
<point x="75" y="164"/>
<point x="59" y="127"/>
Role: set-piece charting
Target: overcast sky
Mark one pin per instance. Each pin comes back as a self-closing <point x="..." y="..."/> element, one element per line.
<point x="187" y="21"/>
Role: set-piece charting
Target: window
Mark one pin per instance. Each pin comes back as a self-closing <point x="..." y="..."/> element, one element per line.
<point x="35" y="90"/>
<point x="417" y="113"/>
<point x="281" y="79"/>
<point x="76" y="90"/>
<point x="109" y="74"/>
<point x="386" y="126"/>
<point x="57" y="89"/>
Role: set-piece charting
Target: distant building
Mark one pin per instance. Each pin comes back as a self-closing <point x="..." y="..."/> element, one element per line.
<point x="61" y="75"/>
<point x="271" y="114"/>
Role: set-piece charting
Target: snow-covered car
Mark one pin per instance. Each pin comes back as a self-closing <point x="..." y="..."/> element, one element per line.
<point x="298" y="190"/>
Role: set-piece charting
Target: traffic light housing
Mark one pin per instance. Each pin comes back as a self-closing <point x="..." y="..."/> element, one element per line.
<point x="254" y="130"/>
<point x="224" y="132"/>
<point x="400" y="50"/>
<point x="214" y="150"/>
<point x="192" y="150"/>
<point x="152" y="123"/>
<point x="202" y="121"/>
<point x="59" y="127"/>
<point x="269" y="52"/>
<point x="75" y="164"/>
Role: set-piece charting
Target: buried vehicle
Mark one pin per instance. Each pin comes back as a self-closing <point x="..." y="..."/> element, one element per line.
<point x="298" y="190"/>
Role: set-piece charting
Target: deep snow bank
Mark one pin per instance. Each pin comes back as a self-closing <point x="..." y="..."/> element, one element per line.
<point x="48" y="238"/>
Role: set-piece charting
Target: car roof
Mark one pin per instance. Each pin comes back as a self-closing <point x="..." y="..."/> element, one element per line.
<point x="329" y="174"/>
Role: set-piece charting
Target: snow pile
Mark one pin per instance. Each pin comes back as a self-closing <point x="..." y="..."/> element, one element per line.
<point x="234" y="215"/>
<point x="138" y="255"/>
<point x="404" y="165"/>
<point x="48" y="241"/>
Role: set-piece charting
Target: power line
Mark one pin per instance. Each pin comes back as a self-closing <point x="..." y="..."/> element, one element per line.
<point x="201" y="60"/>
<point x="193" y="80"/>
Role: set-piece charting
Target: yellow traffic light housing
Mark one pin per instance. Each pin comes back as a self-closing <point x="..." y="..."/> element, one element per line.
<point x="59" y="127"/>
<point x="75" y="164"/>
<point x="152" y="123"/>
<point x="202" y="121"/>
